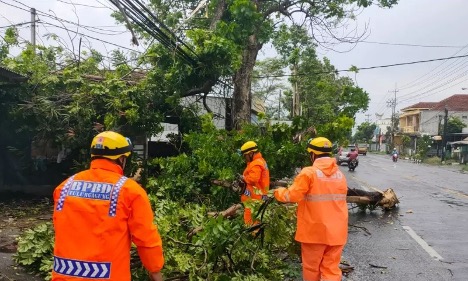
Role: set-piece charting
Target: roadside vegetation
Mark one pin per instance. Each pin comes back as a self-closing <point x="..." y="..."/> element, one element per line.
<point x="70" y="97"/>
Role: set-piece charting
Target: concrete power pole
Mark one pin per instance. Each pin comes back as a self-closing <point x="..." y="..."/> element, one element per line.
<point x="368" y="118"/>
<point x="392" y="103"/>
<point x="279" y="106"/>
<point x="33" y="29"/>
<point x="296" y="110"/>
<point x="444" y="137"/>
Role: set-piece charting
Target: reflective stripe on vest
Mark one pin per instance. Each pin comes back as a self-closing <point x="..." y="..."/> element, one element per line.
<point x="324" y="197"/>
<point x="86" y="269"/>
<point x="247" y="193"/>
<point x="114" y="196"/>
<point x="64" y="193"/>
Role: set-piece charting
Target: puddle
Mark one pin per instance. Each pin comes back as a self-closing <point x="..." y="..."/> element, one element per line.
<point x="450" y="200"/>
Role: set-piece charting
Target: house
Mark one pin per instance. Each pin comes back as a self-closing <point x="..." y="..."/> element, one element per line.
<point x="427" y="118"/>
<point x="411" y="116"/>
<point x="221" y="108"/>
<point x="460" y="150"/>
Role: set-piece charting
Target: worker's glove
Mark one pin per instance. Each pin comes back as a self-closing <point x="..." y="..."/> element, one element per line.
<point x="239" y="184"/>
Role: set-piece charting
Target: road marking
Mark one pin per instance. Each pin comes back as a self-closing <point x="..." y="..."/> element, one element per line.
<point x="423" y="243"/>
<point x="456" y="193"/>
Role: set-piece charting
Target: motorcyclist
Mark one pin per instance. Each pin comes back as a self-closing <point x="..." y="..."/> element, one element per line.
<point x="353" y="154"/>
<point x="394" y="154"/>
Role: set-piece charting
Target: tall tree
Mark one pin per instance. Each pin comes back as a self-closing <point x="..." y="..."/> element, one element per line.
<point x="228" y="34"/>
<point x="365" y="132"/>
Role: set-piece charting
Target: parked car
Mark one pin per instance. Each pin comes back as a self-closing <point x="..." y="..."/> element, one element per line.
<point x="362" y="148"/>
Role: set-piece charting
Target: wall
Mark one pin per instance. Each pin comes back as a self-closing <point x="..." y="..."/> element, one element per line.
<point x="429" y="123"/>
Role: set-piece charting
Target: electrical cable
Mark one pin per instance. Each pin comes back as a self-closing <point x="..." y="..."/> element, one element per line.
<point x="409" y="45"/>
<point x="92" y="37"/>
<point x="146" y="20"/>
<point x="414" y="82"/>
<point x="39" y="12"/>
<point x="417" y="93"/>
<point x="16" y="24"/>
<point x="363" y="68"/>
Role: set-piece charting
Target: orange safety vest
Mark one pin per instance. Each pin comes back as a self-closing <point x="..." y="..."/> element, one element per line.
<point x="257" y="178"/>
<point x="97" y="214"/>
<point x="322" y="212"/>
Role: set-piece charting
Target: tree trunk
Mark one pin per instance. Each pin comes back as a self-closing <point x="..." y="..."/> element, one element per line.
<point x="242" y="83"/>
<point x="386" y="199"/>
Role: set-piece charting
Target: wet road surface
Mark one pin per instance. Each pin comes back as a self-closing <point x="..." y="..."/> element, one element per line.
<point x="425" y="238"/>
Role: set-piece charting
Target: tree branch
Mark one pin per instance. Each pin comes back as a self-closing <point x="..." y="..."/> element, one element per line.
<point x="205" y="89"/>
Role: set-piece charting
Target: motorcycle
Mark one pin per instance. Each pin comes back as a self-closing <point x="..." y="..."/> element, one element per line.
<point x="352" y="165"/>
<point x="395" y="157"/>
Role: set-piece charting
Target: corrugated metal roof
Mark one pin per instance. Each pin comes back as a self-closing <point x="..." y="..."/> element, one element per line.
<point x="7" y="75"/>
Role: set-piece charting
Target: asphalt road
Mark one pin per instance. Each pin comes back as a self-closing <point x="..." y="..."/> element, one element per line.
<point x="425" y="238"/>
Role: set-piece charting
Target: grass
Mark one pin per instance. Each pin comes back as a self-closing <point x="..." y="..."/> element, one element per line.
<point x="464" y="168"/>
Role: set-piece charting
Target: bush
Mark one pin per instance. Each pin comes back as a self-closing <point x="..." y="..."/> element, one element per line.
<point x="198" y="246"/>
<point x="35" y="250"/>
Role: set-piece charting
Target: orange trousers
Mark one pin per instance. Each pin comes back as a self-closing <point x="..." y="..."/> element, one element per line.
<point x="321" y="262"/>
<point x="248" y="216"/>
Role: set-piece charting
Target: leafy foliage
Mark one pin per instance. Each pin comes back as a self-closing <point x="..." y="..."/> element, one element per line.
<point x="199" y="246"/>
<point x="455" y="125"/>
<point x="364" y="132"/>
<point x="35" y="248"/>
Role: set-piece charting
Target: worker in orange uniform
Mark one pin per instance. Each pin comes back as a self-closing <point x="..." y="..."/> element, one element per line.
<point x="256" y="176"/>
<point x="322" y="213"/>
<point x="98" y="213"/>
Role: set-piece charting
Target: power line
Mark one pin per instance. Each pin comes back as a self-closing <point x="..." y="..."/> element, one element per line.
<point x="86" y="35"/>
<point x="145" y="19"/>
<point x="439" y="81"/>
<point x="410" y="45"/>
<point x="87" y="27"/>
<point x="363" y="68"/>
<point x="414" y="82"/>
<point x="16" y="24"/>
<point x="84" y="5"/>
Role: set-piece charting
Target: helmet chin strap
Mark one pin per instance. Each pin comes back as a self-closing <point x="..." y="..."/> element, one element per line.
<point x="312" y="157"/>
<point x="122" y="161"/>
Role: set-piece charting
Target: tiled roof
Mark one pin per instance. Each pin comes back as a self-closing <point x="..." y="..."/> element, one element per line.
<point x="453" y="103"/>
<point x="420" y="105"/>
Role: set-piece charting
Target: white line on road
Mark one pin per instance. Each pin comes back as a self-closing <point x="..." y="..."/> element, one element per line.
<point x="423" y="243"/>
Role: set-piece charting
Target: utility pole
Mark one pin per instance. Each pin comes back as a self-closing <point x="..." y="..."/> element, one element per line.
<point x="392" y="103"/>
<point x="444" y="138"/>
<point x="296" y="110"/>
<point x="33" y="29"/>
<point x="279" y="106"/>
<point x="368" y="118"/>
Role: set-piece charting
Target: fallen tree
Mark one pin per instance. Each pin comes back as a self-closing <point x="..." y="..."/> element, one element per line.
<point x="386" y="199"/>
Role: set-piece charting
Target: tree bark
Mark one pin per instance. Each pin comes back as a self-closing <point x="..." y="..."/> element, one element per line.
<point x="386" y="199"/>
<point x="242" y="83"/>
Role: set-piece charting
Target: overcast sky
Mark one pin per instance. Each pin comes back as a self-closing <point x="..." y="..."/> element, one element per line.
<point x="416" y="22"/>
